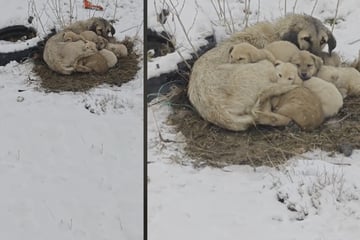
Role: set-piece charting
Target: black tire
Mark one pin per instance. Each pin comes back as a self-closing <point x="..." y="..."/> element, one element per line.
<point x="12" y="34"/>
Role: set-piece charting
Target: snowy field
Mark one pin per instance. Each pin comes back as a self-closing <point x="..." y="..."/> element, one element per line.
<point x="313" y="197"/>
<point x="67" y="173"/>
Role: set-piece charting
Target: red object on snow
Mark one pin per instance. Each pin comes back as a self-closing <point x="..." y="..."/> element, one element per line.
<point x="89" y="5"/>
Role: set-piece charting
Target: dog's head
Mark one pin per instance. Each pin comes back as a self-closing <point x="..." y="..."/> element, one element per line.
<point x="102" y="27"/>
<point x="311" y="39"/>
<point x="69" y="36"/>
<point x="307" y="64"/>
<point x="89" y="47"/>
<point x="287" y="73"/>
<point x="101" y="42"/>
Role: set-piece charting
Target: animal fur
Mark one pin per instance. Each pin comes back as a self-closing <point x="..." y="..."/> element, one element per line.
<point x="306" y="32"/>
<point x="96" y="24"/>
<point x="247" y="53"/>
<point x="62" y="56"/>
<point x="227" y="96"/>
<point x="118" y="49"/>
<point x="307" y="64"/>
<point x="94" y="63"/>
<point x="299" y="104"/>
<point x="287" y="73"/>
<point x="330" y="97"/>
<point x="331" y="60"/>
<point x="346" y="79"/>
<point x="282" y="50"/>
<point x="100" y="41"/>
<point x="110" y="57"/>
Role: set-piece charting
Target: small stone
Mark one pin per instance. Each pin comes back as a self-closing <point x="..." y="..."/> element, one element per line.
<point x="87" y="106"/>
<point x="346" y="149"/>
<point x="92" y="110"/>
<point x="20" y="99"/>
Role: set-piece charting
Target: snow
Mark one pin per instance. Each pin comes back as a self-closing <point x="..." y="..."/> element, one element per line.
<point x="67" y="172"/>
<point x="315" y="196"/>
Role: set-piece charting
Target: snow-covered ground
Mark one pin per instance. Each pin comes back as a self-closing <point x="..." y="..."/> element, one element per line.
<point x="313" y="197"/>
<point x="67" y="173"/>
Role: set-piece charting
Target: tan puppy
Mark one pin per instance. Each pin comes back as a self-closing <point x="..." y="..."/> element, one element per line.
<point x="110" y="57"/>
<point x="282" y="50"/>
<point x="228" y="98"/>
<point x="346" y="79"/>
<point x="330" y="97"/>
<point x="300" y="104"/>
<point x="307" y="64"/>
<point x="100" y="41"/>
<point x="287" y="73"/>
<point x="247" y="53"/>
<point x="118" y="49"/>
<point x="96" y="24"/>
<point x="62" y="56"/>
<point x="94" y="63"/>
<point x="70" y="36"/>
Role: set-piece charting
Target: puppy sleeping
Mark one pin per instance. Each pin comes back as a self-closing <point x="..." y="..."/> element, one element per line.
<point x="96" y="24"/>
<point x="247" y="53"/>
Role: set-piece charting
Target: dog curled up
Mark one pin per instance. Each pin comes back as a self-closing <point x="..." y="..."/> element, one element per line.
<point x="62" y="56"/>
<point x="346" y="79"/>
<point x="299" y="104"/>
<point x="99" y="62"/>
<point x="100" y="41"/>
<point x="96" y="24"/>
<point x="330" y="97"/>
<point x="228" y="98"/>
<point x="247" y="53"/>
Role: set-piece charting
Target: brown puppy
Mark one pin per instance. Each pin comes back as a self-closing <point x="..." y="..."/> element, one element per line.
<point x="118" y="49"/>
<point x="306" y="63"/>
<point x="299" y="104"/>
<point x="94" y="63"/>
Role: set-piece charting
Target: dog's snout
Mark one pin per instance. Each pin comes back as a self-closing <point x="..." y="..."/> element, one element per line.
<point x="304" y="76"/>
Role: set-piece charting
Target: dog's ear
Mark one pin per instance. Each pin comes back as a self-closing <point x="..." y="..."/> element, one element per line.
<point x="292" y="37"/>
<point x="318" y="61"/>
<point x="112" y="31"/>
<point x="331" y="41"/>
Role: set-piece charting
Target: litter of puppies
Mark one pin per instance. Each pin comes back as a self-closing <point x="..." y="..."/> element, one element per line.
<point x="238" y="86"/>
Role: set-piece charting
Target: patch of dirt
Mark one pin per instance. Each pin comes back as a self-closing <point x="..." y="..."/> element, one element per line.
<point x="210" y="145"/>
<point x="124" y="71"/>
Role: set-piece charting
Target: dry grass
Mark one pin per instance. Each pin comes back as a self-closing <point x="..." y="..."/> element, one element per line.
<point x="124" y="71"/>
<point x="210" y="145"/>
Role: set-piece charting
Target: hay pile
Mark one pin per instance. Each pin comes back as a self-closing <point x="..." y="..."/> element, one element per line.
<point x="124" y="71"/>
<point x="210" y="145"/>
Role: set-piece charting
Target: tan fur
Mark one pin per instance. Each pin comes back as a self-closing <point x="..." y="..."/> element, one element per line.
<point x="227" y="97"/>
<point x="331" y="60"/>
<point x="118" y="49"/>
<point x="307" y="64"/>
<point x="109" y="56"/>
<point x="346" y="79"/>
<point x="282" y="50"/>
<point x="300" y="105"/>
<point x="70" y="36"/>
<point x="96" y="24"/>
<point x="100" y="41"/>
<point x="330" y="97"/>
<point x="61" y="56"/>
<point x="287" y="73"/>
<point x="247" y="53"/>
<point x="94" y="63"/>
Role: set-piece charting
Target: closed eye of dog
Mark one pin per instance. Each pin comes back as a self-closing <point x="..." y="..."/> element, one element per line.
<point x="309" y="65"/>
<point x="280" y="75"/>
<point x="308" y="39"/>
<point x="290" y="78"/>
<point x="323" y="41"/>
